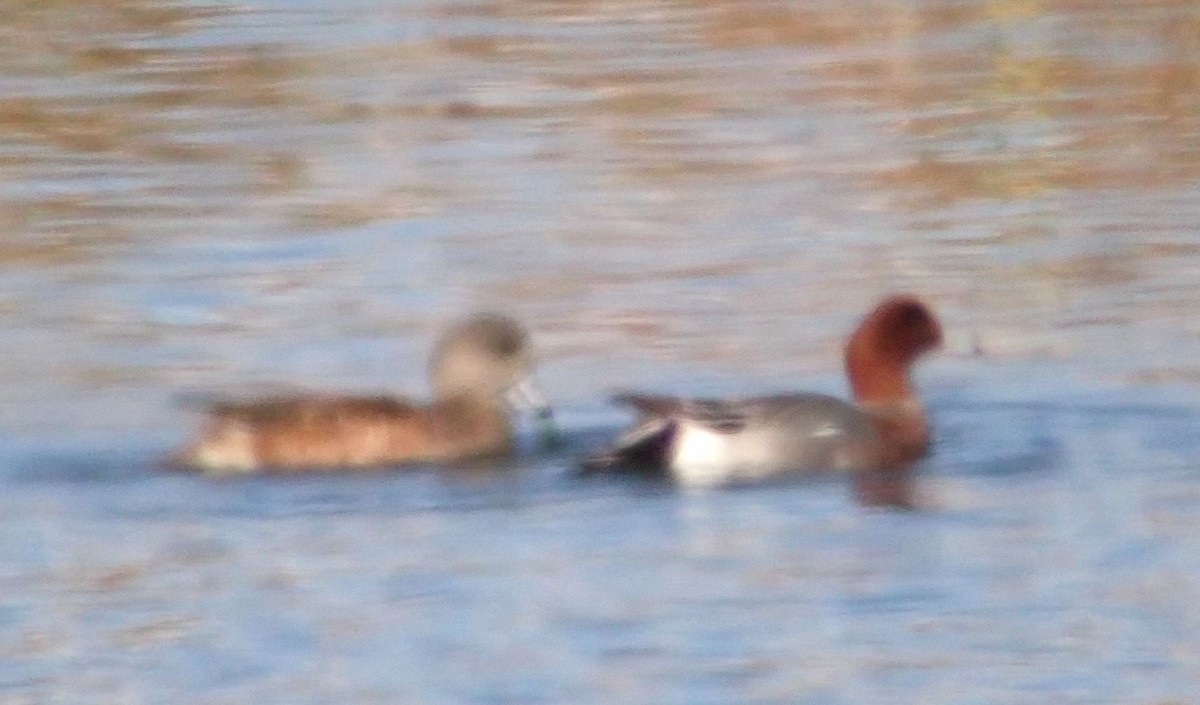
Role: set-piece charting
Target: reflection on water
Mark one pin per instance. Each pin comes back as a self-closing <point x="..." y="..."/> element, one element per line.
<point x="679" y="176"/>
<point x="698" y="196"/>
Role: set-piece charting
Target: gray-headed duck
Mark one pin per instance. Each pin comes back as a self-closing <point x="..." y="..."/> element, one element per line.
<point x="878" y="437"/>
<point x="479" y="370"/>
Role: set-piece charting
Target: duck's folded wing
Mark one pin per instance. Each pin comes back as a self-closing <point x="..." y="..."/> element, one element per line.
<point x="305" y="409"/>
<point x="721" y="415"/>
<point x="246" y="395"/>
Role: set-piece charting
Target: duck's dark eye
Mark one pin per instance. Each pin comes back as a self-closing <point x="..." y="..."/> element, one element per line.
<point x="913" y="314"/>
<point x="507" y="343"/>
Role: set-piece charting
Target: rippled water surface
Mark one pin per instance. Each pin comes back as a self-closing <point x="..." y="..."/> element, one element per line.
<point x="693" y="196"/>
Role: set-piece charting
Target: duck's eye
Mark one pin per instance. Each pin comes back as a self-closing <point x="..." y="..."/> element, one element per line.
<point x="507" y="344"/>
<point x="913" y="314"/>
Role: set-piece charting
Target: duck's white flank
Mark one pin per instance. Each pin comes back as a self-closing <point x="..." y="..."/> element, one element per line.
<point x="703" y="457"/>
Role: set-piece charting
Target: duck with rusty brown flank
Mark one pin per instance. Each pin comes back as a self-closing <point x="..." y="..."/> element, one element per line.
<point x="479" y="371"/>
<point x="878" y="437"/>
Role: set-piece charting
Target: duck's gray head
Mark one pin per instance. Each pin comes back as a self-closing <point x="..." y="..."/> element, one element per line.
<point x="488" y="357"/>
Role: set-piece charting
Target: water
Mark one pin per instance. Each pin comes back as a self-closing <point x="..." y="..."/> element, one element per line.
<point x="693" y="197"/>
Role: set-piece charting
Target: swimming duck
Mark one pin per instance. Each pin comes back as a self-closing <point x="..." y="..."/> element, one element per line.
<point x="478" y="371"/>
<point x="878" y="436"/>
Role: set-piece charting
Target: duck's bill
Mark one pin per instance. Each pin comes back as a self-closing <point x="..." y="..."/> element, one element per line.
<point x="526" y="395"/>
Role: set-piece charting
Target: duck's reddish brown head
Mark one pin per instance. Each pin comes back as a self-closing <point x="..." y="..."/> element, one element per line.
<point x="884" y="347"/>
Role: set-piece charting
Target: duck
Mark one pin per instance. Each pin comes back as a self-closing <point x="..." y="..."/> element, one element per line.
<point x="480" y="372"/>
<point x="878" y="436"/>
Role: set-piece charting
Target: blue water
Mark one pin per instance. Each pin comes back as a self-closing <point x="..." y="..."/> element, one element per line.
<point x="1054" y="558"/>
<point x="695" y="198"/>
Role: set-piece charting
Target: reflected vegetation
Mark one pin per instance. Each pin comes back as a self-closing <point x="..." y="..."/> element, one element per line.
<point x="681" y="165"/>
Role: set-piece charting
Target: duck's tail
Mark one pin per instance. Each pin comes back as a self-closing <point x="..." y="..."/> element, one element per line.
<point x="645" y="449"/>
